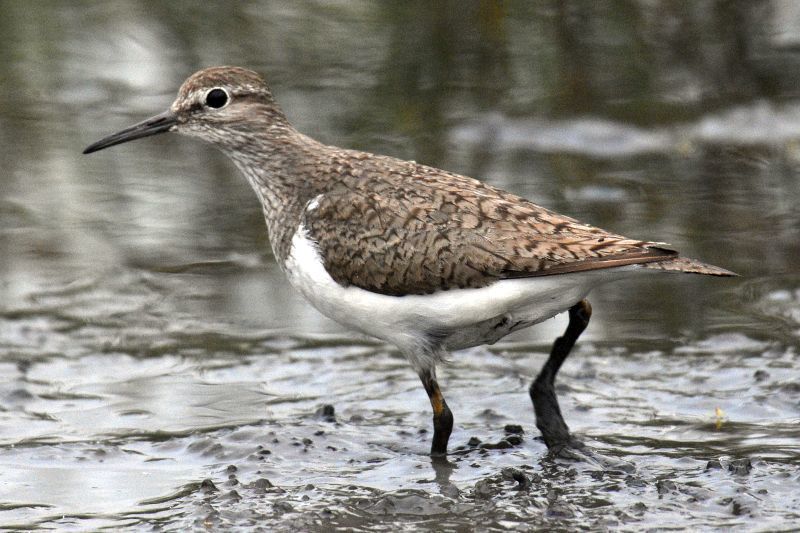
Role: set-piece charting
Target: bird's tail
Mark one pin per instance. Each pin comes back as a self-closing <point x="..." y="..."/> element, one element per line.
<point x="685" y="264"/>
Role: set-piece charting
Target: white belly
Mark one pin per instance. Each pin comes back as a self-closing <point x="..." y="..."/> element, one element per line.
<point x="457" y="318"/>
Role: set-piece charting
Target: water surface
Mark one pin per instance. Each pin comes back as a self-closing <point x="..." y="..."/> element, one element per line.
<point x="158" y="372"/>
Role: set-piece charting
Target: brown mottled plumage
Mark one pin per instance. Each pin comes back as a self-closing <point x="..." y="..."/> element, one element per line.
<point x="418" y="256"/>
<point x="397" y="227"/>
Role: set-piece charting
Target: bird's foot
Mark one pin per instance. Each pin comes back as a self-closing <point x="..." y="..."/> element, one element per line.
<point x="571" y="448"/>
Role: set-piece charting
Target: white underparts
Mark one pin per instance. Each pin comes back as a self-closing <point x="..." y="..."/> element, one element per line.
<point x="423" y="325"/>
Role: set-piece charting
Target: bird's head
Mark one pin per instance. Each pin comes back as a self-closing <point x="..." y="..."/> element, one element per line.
<point x="222" y="105"/>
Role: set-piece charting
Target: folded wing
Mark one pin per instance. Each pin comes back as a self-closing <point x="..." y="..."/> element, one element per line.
<point x="449" y="231"/>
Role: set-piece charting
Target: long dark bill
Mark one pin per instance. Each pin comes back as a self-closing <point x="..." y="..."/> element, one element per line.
<point x="152" y="126"/>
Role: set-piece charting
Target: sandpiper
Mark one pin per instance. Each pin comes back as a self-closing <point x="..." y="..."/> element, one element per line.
<point x="422" y="258"/>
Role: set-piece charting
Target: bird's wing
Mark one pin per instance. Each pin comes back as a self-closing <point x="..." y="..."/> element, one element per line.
<point x="436" y="231"/>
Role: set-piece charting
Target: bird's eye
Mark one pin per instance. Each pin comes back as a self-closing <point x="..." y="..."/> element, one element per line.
<point x="216" y="98"/>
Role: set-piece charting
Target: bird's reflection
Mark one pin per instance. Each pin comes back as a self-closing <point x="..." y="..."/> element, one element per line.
<point x="442" y="469"/>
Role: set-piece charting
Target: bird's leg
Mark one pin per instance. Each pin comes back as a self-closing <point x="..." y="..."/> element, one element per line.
<point x="442" y="417"/>
<point x="545" y="404"/>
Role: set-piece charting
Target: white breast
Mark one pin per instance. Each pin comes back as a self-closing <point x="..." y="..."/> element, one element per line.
<point x="459" y="317"/>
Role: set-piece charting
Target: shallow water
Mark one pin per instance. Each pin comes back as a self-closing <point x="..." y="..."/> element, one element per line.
<point x="158" y="372"/>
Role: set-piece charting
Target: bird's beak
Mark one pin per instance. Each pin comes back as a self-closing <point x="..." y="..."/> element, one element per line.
<point x="153" y="125"/>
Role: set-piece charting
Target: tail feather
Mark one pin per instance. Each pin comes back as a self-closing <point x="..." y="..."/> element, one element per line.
<point x="685" y="264"/>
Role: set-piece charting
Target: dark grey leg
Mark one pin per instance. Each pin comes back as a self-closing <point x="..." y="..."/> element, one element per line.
<point x="545" y="404"/>
<point x="442" y="417"/>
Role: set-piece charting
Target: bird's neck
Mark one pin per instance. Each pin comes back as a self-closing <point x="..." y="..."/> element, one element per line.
<point x="276" y="164"/>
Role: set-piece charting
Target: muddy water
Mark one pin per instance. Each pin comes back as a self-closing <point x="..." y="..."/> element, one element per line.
<point x="158" y="372"/>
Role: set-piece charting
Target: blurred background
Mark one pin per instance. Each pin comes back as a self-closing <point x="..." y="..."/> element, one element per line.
<point x="148" y="341"/>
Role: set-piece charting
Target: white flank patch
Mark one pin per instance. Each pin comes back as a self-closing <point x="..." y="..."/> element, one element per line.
<point x="459" y="315"/>
<point x="313" y="203"/>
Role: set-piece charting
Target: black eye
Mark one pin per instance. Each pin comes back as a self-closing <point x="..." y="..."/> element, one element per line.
<point x="216" y="98"/>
